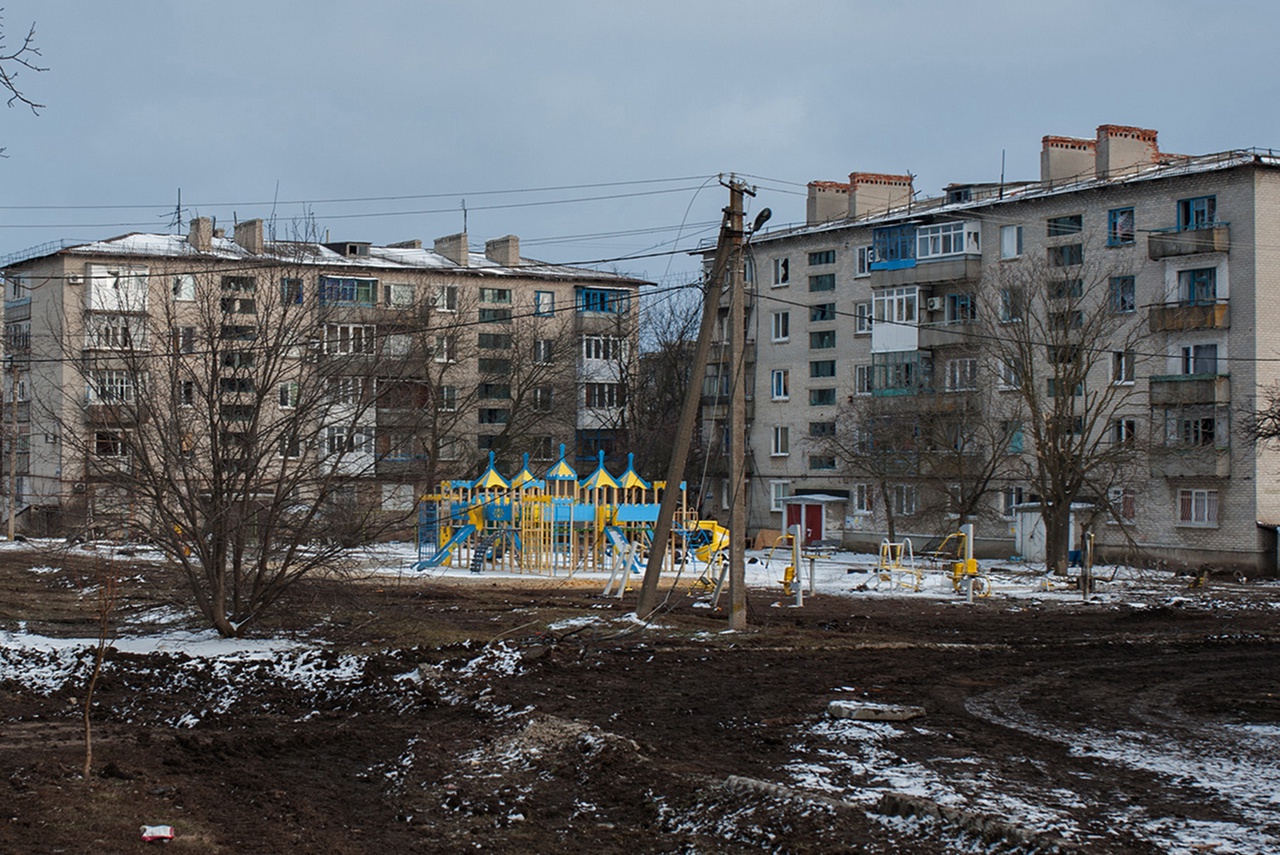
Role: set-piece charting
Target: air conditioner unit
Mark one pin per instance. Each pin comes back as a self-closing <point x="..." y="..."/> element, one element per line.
<point x="933" y="304"/>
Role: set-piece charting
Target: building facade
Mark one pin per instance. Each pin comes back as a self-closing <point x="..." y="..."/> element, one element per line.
<point x="394" y="366"/>
<point x="885" y="305"/>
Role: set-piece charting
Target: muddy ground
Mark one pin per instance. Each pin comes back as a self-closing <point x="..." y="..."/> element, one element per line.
<point x="490" y="716"/>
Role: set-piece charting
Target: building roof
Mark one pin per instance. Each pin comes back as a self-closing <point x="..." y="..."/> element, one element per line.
<point x="1171" y="166"/>
<point x="145" y="246"/>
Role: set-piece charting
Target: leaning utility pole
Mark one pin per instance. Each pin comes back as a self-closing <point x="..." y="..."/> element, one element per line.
<point x="728" y="251"/>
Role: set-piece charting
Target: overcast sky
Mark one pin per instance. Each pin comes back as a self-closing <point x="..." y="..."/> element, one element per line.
<point x="331" y="108"/>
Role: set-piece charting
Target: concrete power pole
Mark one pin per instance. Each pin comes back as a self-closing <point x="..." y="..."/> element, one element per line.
<point x="728" y="253"/>
<point x="737" y="416"/>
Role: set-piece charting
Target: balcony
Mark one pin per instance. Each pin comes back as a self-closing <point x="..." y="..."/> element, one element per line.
<point x="954" y="269"/>
<point x="402" y="465"/>
<point x="948" y="333"/>
<point x="1165" y="243"/>
<point x="1174" y="390"/>
<point x="1191" y="462"/>
<point x="1177" y="317"/>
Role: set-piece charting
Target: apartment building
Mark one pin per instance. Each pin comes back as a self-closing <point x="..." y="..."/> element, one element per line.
<point x="898" y="301"/>
<point x="394" y="366"/>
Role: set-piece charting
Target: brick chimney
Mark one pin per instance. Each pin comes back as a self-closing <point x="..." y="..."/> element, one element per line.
<point x="454" y="248"/>
<point x="1066" y="158"/>
<point x="874" y="192"/>
<point x="201" y="235"/>
<point x="249" y="235"/>
<point x="503" y="250"/>
<point x="828" y="200"/>
<point x="1123" y="149"/>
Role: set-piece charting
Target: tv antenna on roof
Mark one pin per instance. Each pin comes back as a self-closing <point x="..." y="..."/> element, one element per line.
<point x="464" y="216"/>
<point x="176" y="220"/>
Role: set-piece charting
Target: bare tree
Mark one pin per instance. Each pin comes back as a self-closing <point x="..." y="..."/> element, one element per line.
<point x="660" y="372"/>
<point x="13" y="60"/>
<point x="1067" y="342"/>
<point x="232" y="423"/>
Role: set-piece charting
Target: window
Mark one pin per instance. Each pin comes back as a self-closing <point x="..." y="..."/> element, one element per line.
<point x="1070" y="225"/>
<point x="822" y="462"/>
<point x="1067" y="255"/>
<point x="778" y="490"/>
<point x="781" y="272"/>
<point x="115" y="289"/>
<point x="780" y="384"/>
<point x="397" y="344"/>
<point x="866" y="255"/>
<point x="496" y="295"/>
<point x="490" y="365"/>
<point x="1198" y="287"/>
<point x="823" y="368"/>
<point x="112" y="387"/>
<point x="902" y="372"/>
<point x="824" y="282"/>
<point x="290" y="291"/>
<point x="345" y="391"/>
<point x="494" y="341"/>
<point x="114" y="332"/>
<point x="543" y="399"/>
<point x="861" y="495"/>
<point x="894" y="246"/>
<point x="1124" y="431"/>
<point x="1122" y="367"/>
<point x="347" y="291"/>
<point x="1124" y="504"/>
<point x="862" y="319"/>
<point x="1063" y="289"/>
<point x="1120" y="231"/>
<point x="1010" y="498"/>
<point x="1055" y="388"/>
<point x="398" y="294"/>
<point x="1197" y="430"/>
<point x="1012" y="433"/>
<point x="604" y="347"/>
<point x="960" y="308"/>
<point x="1011" y="302"/>
<point x="822" y="312"/>
<point x="109" y="443"/>
<point x="290" y="447"/>
<point x="544" y="303"/>
<point x="287" y="395"/>
<point x="1198" y="507"/>
<point x="862" y="384"/>
<point x="349" y="338"/>
<point x="1123" y="294"/>
<point x="946" y="239"/>
<point x="603" y="300"/>
<point x="1072" y="320"/>
<point x="544" y="449"/>
<point x="822" y="429"/>
<point x="1010" y="241"/>
<point x="896" y="305"/>
<point x="184" y="340"/>
<point x="237" y="359"/>
<point x="781" y="442"/>
<point x="1200" y="359"/>
<point x="184" y="287"/>
<point x="493" y="316"/>
<point x="447" y="399"/>
<point x="450" y="448"/>
<point x="1197" y="213"/>
<point x="822" y="340"/>
<point x="491" y="391"/>
<point x="781" y="326"/>
<point x="605" y="394"/>
<point x="493" y="416"/>
<point x="822" y="397"/>
<point x="826" y="256"/>
<point x="17" y="336"/>
<point x="544" y="351"/>
<point x="446" y="349"/>
<point x="187" y="393"/>
<point x="962" y="374"/>
<point x="903" y="497"/>
<point x="446" y="298"/>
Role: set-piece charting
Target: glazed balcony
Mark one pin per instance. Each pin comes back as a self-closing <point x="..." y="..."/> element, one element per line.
<point x="1212" y="237"/>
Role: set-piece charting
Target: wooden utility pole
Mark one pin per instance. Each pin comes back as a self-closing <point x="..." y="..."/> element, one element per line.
<point x="728" y="252"/>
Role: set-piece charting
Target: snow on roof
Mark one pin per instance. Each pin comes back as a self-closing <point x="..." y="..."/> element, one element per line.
<point x="316" y="254"/>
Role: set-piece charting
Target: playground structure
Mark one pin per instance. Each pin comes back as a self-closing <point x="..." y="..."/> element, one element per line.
<point x="558" y="524"/>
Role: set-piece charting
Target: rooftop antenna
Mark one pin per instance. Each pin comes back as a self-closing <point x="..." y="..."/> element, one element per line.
<point x="464" y="216"/>
<point x="274" y="199"/>
<point x="1001" y="173"/>
<point x="176" y="222"/>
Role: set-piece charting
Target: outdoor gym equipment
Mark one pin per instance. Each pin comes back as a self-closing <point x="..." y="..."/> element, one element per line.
<point x="897" y="565"/>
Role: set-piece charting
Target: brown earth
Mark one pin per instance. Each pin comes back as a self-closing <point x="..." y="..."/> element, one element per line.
<point x="475" y="725"/>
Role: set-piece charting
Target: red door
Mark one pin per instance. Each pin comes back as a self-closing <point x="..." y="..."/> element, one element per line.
<point x="812" y="523"/>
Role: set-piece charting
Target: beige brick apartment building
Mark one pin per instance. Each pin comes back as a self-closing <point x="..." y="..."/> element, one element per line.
<point x="390" y="367"/>
<point x="889" y="298"/>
